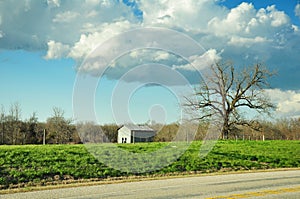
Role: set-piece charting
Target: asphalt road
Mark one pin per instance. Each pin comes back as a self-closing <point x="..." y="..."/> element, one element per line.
<point x="279" y="184"/>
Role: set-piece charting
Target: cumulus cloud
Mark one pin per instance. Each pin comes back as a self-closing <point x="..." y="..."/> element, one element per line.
<point x="82" y="25"/>
<point x="200" y="62"/>
<point x="243" y="41"/>
<point x="150" y="58"/>
<point x="278" y="18"/>
<point x="72" y="29"/>
<point x="62" y="22"/>
<point x="56" y="50"/>
<point x="245" y="20"/>
<point x="88" y="42"/>
<point x="288" y="101"/>
<point x="238" y="20"/>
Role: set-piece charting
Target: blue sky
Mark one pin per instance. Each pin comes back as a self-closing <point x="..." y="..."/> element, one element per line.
<point x="43" y="44"/>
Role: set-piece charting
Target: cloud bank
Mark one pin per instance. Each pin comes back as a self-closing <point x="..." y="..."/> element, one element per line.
<point x="287" y="102"/>
<point x="72" y="29"/>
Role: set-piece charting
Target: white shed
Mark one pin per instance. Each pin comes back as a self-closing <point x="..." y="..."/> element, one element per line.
<point x="130" y="133"/>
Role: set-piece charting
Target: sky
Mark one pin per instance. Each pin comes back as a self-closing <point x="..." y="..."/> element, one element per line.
<point x="118" y="61"/>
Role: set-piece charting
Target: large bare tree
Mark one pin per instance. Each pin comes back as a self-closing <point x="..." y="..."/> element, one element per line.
<point x="228" y="92"/>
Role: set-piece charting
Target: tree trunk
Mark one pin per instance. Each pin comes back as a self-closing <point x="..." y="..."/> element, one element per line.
<point x="225" y="129"/>
<point x="225" y="133"/>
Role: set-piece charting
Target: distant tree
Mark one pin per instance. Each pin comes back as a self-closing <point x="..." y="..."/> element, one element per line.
<point x="59" y="129"/>
<point x="14" y="123"/>
<point x="2" y="123"/>
<point x="111" y="132"/>
<point x="89" y="132"/>
<point x="226" y="91"/>
<point x="288" y="128"/>
<point x="41" y="127"/>
<point x="295" y="126"/>
<point x="167" y="133"/>
<point x="31" y="130"/>
<point x="271" y="131"/>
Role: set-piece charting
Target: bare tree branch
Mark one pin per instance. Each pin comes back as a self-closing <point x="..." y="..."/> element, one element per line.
<point x="226" y="90"/>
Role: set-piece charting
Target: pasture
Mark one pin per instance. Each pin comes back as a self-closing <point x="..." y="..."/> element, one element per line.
<point x="31" y="165"/>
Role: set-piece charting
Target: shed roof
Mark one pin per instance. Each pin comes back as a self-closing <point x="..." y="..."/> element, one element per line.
<point x="134" y="127"/>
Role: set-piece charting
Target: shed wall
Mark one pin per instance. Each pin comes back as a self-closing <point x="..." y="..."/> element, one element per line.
<point x="124" y="135"/>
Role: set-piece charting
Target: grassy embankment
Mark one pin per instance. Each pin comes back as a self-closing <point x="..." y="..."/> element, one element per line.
<point x="31" y="165"/>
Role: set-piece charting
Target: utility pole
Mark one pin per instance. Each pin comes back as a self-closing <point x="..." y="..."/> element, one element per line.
<point x="44" y="137"/>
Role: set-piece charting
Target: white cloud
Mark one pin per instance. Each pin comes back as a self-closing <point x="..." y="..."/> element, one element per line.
<point x="184" y="14"/>
<point x="55" y="20"/>
<point x="278" y="18"/>
<point x="242" y="41"/>
<point x="56" y="50"/>
<point x="66" y="17"/>
<point x="200" y="62"/>
<point x="88" y="42"/>
<point x="53" y="3"/>
<point x="297" y="10"/>
<point x="102" y="3"/>
<point x="161" y="55"/>
<point x="142" y="56"/>
<point x="134" y="54"/>
<point x="68" y="21"/>
<point x="93" y="2"/>
<point x="106" y="3"/>
<point x="295" y="28"/>
<point x="246" y="21"/>
<point x="288" y="101"/>
<point x="73" y="28"/>
<point x="238" y="20"/>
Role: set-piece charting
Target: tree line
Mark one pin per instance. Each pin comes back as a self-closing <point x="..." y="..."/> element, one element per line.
<point x="56" y="130"/>
<point x="60" y="130"/>
<point x="280" y="129"/>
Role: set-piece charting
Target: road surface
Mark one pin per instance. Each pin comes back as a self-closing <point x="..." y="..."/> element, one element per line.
<point x="279" y="184"/>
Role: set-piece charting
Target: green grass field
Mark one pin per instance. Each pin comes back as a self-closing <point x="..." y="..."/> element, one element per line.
<point x="41" y="165"/>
